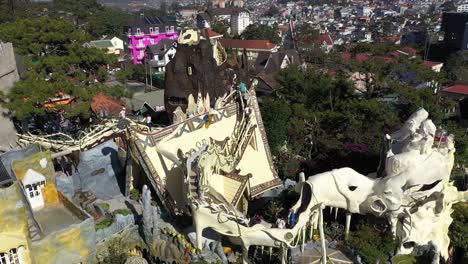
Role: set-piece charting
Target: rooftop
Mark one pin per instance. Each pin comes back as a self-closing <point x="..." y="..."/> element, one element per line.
<point x="457" y="89"/>
<point x="247" y="44"/>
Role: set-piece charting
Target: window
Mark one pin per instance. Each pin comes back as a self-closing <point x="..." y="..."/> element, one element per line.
<point x="138" y="31"/>
<point x="151" y="30"/>
<point x="10" y="258"/>
<point x="160" y="57"/>
<point x="4" y="258"/>
<point x="167" y="29"/>
<point x="170" y="56"/>
<point x="14" y="256"/>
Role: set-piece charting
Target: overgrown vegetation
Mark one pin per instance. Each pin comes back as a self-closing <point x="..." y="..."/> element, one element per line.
<point x="373" y="244"/>
<point x="116" y="252"/>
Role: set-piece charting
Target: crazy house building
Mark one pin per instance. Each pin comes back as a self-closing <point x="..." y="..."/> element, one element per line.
<point x="146" y="31"/>
<point x="214" y="160"/>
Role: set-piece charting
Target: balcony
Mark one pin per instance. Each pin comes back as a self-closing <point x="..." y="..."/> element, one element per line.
<point x="154" y="33"/>
<point x="139" y="35"/>
<point x="140" y="46"/>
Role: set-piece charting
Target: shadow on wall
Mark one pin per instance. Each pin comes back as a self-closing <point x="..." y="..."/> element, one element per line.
<point x="116" y="166"/>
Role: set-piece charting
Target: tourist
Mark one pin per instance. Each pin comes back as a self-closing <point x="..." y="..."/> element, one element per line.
<point x="292" y="218"/>
<point x="122" y="113"/>
<point x="248" y="111"/>
<point x="280" y="223"/>
<point x="149" y="123"/>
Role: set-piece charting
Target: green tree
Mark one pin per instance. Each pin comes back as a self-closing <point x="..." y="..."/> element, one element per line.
<point x="264" y="32"/>
<point x="373" y="244"/>
<point x="221" y="26"/>
<point x="279" y="111"/>
<point x="272" y="11"/>
<point x="457" y="67"/>
<point x="109" y="22"/>
<point x="458" y="230"/>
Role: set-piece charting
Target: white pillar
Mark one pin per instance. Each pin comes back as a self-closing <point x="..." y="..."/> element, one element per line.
<point x="322" y="237"/>
<point x="347" y="224"/>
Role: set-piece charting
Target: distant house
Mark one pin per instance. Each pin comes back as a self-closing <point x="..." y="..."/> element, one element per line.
<point x="268" y="65"/>
<point x="458" y="93"/>
<point x="146" y="31"/>
<point x="159" y="55"/>
<point x="238" y="18"/>
<point x="434" y="65"/>
<point x="207" y="33"/>
<point x="252" y="47"/>
<point x="113" y="45"/>
<point x="325" y="42"/>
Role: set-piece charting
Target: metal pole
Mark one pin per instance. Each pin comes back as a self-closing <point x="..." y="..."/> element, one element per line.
<point x="151" y="75"/>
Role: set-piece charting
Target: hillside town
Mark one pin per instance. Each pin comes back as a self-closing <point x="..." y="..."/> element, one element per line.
<point x="233" y="131"/>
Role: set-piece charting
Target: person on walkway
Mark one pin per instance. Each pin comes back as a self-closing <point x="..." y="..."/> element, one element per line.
<point x="149" y="123"/>
<point x="280" y="223"/>
<point x="122" y="113"/>
<point x="291" y="218"/>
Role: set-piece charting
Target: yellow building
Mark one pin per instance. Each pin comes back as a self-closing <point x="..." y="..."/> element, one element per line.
<point x="39" y="224"/>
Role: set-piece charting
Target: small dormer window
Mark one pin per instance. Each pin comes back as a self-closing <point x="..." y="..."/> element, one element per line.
<point x="167" y="29"/>
<point x="189" y="70"/>
<point x="156" y="30"/>
<point x="138" y="31"/>
<point x="172" y="28"/>
<point x="151" y="30"/>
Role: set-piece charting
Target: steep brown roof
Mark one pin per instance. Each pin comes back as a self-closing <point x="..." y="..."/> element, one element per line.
<point x="247" y="44"/>
<point x="106" y="103"/>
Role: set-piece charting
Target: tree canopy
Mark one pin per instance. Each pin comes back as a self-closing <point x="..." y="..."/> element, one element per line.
<point x="258" y="31"/>
<point x="57" y="61"/>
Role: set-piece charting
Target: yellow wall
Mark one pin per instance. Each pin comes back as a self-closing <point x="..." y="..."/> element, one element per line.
<point x="20" y="167"/>
<point x="13" y="221"/>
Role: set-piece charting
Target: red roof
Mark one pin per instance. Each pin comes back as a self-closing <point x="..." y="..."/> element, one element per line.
<point x="386" y="59"/>
<point x="431" y="64"/>
<point x="211" y="34"/>
<point x="106" y="103"/>
<point x="247" y="44"/>
<point x="457" y="89"/>
<point x="409" y="50"/>
<point x="326" y="38"/>
<point x="395" y="54"/>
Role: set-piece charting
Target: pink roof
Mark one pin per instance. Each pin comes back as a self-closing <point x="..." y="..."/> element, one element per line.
<point x="362" y="57"/>
<point x="457" y="89"/>
<point x="346" y="55"/>
<point x="431" y="64"/>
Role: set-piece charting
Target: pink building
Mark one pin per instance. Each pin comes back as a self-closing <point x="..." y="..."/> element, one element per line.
<point x="148" y="31"/>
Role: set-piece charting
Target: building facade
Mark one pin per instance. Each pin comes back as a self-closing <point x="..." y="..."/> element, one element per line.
<point x="240" y="21"/>
<point x="148" y="31"/>
<point x="462" y="8"/>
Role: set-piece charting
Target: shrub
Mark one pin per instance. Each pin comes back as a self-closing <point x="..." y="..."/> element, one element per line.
<point x="104" y="223"/>
<point x="123" y="211"/>
<point x="104" y="206"/>
<point x="134" y="194"/>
